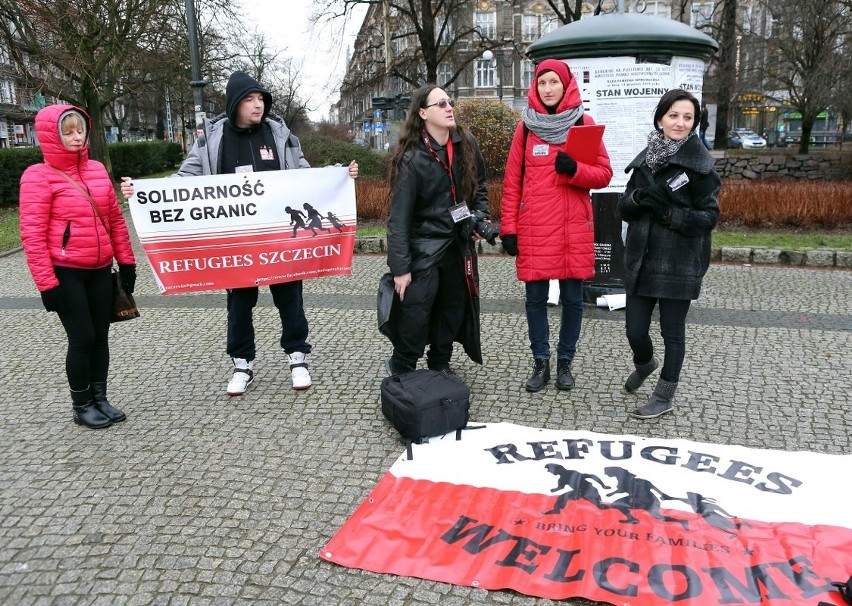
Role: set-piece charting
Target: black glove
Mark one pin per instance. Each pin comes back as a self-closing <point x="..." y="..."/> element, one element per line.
<point x="657" y="201"/>
<point x="127" y="273"/>
<point x="565" y="164"/>
<point x="510" y="244"/>
<point x="53" y="299"/>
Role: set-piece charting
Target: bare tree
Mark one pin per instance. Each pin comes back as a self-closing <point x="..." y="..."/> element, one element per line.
<point x="431" y="32"/>
<point x="804" y="48"/>
<point x="79" y="51"/>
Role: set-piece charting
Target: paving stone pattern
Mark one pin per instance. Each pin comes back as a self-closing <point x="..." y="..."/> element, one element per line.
<point x="202" y="499"/>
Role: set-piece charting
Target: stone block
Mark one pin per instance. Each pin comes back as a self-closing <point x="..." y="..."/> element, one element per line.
<point x="716" y="253"/>
<point x="370" y="245"/>
<point x="750" y="174"/>
<point x="766" y="255"/>
<point x="735" y="254"/>
<point x="843" y="258"/>
<point x="791" y="257"/>
<point x="819" y="258"/>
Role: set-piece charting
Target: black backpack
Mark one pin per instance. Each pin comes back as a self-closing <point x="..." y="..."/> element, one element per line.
<point x="422" y="404"/>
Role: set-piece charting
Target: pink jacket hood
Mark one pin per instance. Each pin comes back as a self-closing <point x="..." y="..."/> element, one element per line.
<point x="49" y="135"/>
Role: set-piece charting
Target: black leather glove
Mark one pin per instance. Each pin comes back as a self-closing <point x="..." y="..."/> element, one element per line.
<point x="657" y="201"/>
<point x="127" y="273"/>
<point x="510" y="244"/>
<point x="565" y="164"/>
<point x="53" y="299"/>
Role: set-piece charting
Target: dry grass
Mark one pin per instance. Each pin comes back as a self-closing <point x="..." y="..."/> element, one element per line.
<point x="763" y="204"/>
<point x="822" y="204"/>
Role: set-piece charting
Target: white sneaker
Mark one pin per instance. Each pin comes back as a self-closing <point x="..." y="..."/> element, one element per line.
<point x="299" y="370"/>
<point x="242" y="378"/>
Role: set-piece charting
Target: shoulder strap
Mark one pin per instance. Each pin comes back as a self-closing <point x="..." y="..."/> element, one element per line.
<point x="85" y="194"/>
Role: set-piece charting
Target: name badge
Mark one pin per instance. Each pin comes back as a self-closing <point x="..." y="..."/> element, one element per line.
<point x="541" y="149"/>
<point x="266" y="153"/>
<point x="245" y="168"/>
<point x="459" y="212"/>
<point x="678" y="181"/>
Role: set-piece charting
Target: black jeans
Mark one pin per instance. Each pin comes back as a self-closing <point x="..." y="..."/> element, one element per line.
<point x="432" y="312"/>
<point x="672" y="328"/>
<point x="88" y="307"/>
<point x="291" y="309"/>
<point x="571" y="295"/>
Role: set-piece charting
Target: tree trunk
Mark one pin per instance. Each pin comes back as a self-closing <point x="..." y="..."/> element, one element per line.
<point x="97" y="138"/>
<point x="805" y="141"/>
<point x="727" y="71"/>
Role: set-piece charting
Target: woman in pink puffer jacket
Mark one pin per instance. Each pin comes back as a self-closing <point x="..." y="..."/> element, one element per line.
<point x="71" y="228"/>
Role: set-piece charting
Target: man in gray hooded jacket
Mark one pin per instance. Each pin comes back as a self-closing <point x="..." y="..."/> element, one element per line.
<point x="247" y="138"/>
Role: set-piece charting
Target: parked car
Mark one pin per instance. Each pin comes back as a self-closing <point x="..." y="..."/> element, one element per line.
<point x="745" y="139"/>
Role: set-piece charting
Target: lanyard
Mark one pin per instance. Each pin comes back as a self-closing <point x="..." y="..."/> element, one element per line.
<point x="447" y="167"/>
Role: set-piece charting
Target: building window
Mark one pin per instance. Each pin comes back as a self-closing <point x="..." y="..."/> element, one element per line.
<point x="484" y="74"/>
<point x="529" y="28"/>
<point x="445" y="72"/>
<point x="702" y="14"/>
<point x="5" y="92"/>
<point x="527" y="73"/>
<point x="486" y="24"/>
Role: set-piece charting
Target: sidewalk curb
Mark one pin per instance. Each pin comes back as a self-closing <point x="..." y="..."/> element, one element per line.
<point x="757" y="256"/>
<point x="818" y="257"/>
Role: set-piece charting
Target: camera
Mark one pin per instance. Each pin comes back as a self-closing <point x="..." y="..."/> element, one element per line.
<point x="488" y="231"/>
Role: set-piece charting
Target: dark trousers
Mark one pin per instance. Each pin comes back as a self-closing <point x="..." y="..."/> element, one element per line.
<point x="432" y="312"/>
<point x="88" y="307"/>
<point x="291" y="309"/>
<point x="672" y="328"/>
<point x="571" y="296"/>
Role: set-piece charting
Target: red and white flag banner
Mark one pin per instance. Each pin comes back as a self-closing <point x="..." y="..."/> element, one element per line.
<point x="247" y="229"/>
<point x="619" y="519"/>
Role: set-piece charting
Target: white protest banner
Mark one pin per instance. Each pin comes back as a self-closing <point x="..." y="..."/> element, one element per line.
<point x="249" y="229"/>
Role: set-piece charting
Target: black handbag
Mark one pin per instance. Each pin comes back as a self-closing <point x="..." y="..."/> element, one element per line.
<point x="123" y="303"/>
<point x="422" y="404"/>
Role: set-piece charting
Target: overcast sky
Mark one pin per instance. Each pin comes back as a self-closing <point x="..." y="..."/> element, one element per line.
<point x="323" y="57"/>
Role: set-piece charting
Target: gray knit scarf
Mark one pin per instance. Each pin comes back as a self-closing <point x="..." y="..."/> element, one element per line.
<point x="661" y="148"/>
<point x="552" y="128"/>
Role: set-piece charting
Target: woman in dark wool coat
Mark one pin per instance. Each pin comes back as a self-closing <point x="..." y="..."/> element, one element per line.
<point x="671" y="206"/>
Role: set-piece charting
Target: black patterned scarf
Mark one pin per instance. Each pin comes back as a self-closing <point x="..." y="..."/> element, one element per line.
<point x="661" y="148"/>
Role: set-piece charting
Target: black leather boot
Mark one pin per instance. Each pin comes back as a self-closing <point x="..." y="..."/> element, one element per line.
<point x="85" y="411"/>
<point x="99" y="390"/>
<point x="564" y="378"/>
<point x="540" y="374"/>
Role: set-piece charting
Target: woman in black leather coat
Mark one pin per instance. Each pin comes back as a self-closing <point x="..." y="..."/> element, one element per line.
<point x="438" y="185"/>
<point x="671" y="206"/>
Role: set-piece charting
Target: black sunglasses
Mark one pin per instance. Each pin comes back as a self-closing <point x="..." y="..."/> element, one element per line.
<point x="443" y="103"/>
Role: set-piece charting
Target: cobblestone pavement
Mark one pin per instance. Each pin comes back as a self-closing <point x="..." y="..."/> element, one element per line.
<point x="203" y="499"/>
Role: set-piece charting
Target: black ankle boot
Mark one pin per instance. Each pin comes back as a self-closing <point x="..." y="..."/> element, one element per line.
<point x="540" y="374"/>
<point x="85" y="411"/>
<point x="564" y="378"/>
<point x="108" y="410"/>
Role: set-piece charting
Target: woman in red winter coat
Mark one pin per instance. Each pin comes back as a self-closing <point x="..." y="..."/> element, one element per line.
<point x="547" y="215"/>
<point x="71" y="228"/>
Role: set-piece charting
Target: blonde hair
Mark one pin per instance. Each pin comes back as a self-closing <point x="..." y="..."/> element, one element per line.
<point x="72" y="120"/>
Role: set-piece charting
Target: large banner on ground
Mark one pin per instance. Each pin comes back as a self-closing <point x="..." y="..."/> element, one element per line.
<point x="619" y="519"/>
<point x="249" y="229"/>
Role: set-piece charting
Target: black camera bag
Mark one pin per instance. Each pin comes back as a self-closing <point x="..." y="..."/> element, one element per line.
<point x="425" y="403"/>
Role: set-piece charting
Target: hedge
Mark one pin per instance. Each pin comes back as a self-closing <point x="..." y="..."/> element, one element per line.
<point x="135" y="159"/>
<point x="321" y="150"/>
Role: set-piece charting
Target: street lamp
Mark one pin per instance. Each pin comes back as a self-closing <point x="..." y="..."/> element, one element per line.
<point x="499" y="58"/>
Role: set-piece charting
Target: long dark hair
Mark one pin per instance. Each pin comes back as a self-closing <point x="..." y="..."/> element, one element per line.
<point x="410" y="137"/>
<point x="672" y="97"/>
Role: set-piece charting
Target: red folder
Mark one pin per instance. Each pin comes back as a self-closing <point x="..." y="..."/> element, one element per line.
<point x="582" y="144"/>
